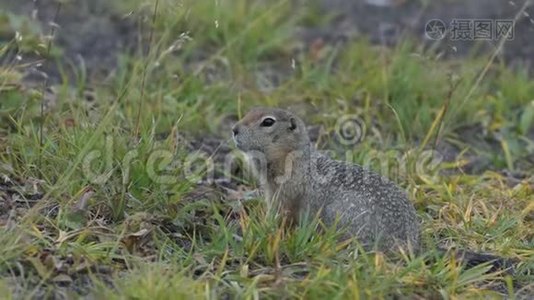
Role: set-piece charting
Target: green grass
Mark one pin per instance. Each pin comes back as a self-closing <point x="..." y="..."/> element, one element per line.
<point x="107" y="204"/>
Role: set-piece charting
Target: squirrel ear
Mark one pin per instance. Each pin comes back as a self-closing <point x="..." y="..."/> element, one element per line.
<point x="293" y="123"/>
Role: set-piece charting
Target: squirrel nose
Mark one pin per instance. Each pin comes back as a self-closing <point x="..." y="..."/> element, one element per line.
<point x="235" y="129"/>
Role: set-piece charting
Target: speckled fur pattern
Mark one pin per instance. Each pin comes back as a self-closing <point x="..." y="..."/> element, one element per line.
<point x="298" y="179"/>
<point x="371" y="207"/>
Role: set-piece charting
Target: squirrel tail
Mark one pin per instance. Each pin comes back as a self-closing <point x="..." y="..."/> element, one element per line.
<point x="472" y="259"/>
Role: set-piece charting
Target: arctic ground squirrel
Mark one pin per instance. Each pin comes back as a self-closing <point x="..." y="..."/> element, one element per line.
<point x="297" y="180"/>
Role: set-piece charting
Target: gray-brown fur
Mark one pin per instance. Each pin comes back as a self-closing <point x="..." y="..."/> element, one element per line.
<point x="298" y="179"/>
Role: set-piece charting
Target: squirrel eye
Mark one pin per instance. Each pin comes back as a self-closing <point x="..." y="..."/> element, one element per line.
<point x="267" y="122"/>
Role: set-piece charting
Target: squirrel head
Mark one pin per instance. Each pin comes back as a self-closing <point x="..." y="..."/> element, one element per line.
<point x="273" y="132"/>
